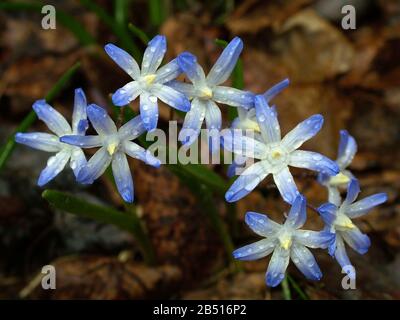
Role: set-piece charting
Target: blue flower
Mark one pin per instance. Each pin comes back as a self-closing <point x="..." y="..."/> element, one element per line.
<point x="286" y="242"/>
<point x="347" y="150"/>
<point x="206" y="92"/>
<point x="148" y="83"/>
<point x="50" y="142"/>
<point x="275" y="154"/>
<point x="337" y="217"/>
<point x="115" y="144"/>
<point x="247" y="120"/>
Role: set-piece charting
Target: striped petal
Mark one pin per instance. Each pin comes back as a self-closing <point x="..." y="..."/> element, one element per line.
<point x="132" y="129"/>
<point x="127" y="93"/>
<point x="233" y="97"/>
<point x="154" y="55"/>
<point x="55" y="165"/>
<point x="82" y="141"/>
<point x="168" y="72"/>
<point x="347" y="149"/>
<point x="79" y="116"/>
<point x="277" y="266"/>
<point x="357" y="240"/>
<point x="193" y="121"/>
<point x="286" y="185"/>
<point x="267" y="120"/>
<point x="261" y="224"/>
<point x="122" y="176"/>
<point x="135" y="151"/>
<point x="149" y="110"/>
<point x="313" y="161"/>
<point x="235" y="141"/>
<point x="171" y="97"/>
<point x="305" y="262"/>
<point x="100" y="120"/>
<point x="361" y="207"/>
<point x="51" y="117"/>
<point x="297" y="215"/>
<point x="194" y="72"/>
<point x="275" y="90"/>
<point x="39" y="140"/>
<point x="95" y="167"/>
<point x="124" y="60"/>
<point x="254" y="251"/>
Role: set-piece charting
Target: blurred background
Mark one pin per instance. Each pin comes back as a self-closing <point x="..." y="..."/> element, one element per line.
<point x="352" y="77"/>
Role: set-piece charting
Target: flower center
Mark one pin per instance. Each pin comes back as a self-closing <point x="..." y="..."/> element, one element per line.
<point x="343" y="222"/>
<point x="285" y="240"/>
<point x="206" y="93"/>
<point x="276" y="157"/>
<point x="339" y="179"/>
<point x="112" y="145"/>
<point x="149" y="79"/>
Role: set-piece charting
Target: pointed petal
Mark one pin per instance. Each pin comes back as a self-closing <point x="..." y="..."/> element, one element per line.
<point x="277" y="266"/>
<point x="328" y="212"/>
<point x="297" y="215"/>
<point x="127" y="93"/>
<point x="275" y="90"/>
<point x="79" y="117"/>
<point x="149" y="111"/>
<point x="237" y="164"/>
<point x="100" y="120"/>
<point x="313" y="161"/>
<point x="39" y="140"/>
<point x="194" y="72"/>
<point x="124" y="60"/>
<point x="233" y="97"/>
<point x="154" y="54"/>
<point x="267" y="120"/>
<point x="314" y="239"/>
<point x="186" y="88"/>
<point x="302" y="132"/>
<point x="285" y="183"/>
<point x="261" y="224"/>
<point x="247" y="181"/>
<point x="235" y="141"/>
<point x="347" y="149"/>
<point x="95" y="167"/>
<point x="77" y="161"/>
<point x="223" y="67"/>
<point x="82" y="141"/>
<point x="135" y="151"/>
<point x="168" y="72"/>
<point x="343" y="259"/>
<point x="122" y="176"/>
<point x="334" y="196"/>
<point x="193" y="121"/>
<point x="213" y="116"/>
<point x="171" y="97"/>
<point x="132" y="129"/>
<point x="55" y="165"/>
<point x="357" y="240"/>
<point x="305" y="262"/>
<point x="254" y="251"/>
<point x="361" y="207"/>
<point x="353" y="189"/>
<point x="51" y="117"/>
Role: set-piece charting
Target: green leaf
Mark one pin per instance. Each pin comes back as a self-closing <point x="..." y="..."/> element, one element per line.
<point x="65" y="19"/>
<point x="139" y="33"/>
<point x="287" y="295"/>
<point x="157" y="12"/>
<point x="129" y="222"/>
<point x="297" y="288"/>
<point x="120" y="31"/>
<point x="121" y="9"/>
<point x="9" y="146"/>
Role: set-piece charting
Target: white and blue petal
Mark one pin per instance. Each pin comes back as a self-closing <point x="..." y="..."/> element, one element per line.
<point x="261" y="224"/>
<point x="154" y="55"/>
<point x="100" y="120"/>
<point x="213" y="115"/>
<point x="356" y="239"/>
<point x="186" y="88"/>
<point x="343" y="259"/>
<point x="95" y="167"/>
<point x="127" y="93"/>
<point x="124" y="60"/>
<point x="305" y="262"/>
<point x="297" y="215"/>
<point x="361" y="207"/>
<point x="235" y="141"/>
<point x="223" y="67"/>
<point x="353" y="190"/>
<point x="286" y="185"/>
<point x="302" y="132"/>
<point x="149" y="110"/>
<point x="238" y="163"/>
<point x="168" y="72"/>
<point x="347" y="149"/>
<point x="254" y="251"/>
<point x="39" y="140"/>
<point x="77" y="161"/>
<point x="247" y="181"/>
<point x="55" y="165"/>
<point x="53" y="119"/>
<point x="122" y="176"/>
<point x="188" y="63"/>
<point x="82" y="141"/>
<point x="277" y="266"/>
<point x="135" y="151"/>
<point x="313" y="161"/>
<point x="171" y="97"/>
<point x="193" y="121"/>
<point x="233" y="97"/>
<point x="314" y="239"/>
<point x="328" y="212"/>
<point x="267" y="120"/>
<point x="132" y="129"/>
<point x="79" y="116"/>
<point x="275" y="90"/>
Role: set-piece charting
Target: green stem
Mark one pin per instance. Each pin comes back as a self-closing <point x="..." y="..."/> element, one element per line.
<point x="286" y="289"/>
<point x="297" y="288"/>
<point x="9" y="146"/>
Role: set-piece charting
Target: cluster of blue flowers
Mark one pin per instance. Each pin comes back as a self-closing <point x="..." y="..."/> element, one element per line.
<point x="200" y="99"/>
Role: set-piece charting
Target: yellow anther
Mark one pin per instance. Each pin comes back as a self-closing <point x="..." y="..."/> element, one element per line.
<point x="207" y="92"/>
<point x="275" y="154"/>
<point x="344" y="222"/>
<point x="111" y="148"/>
<point x="286" y="242"/>
<point x="339" y="179"/>
<point x="149" y="79"/>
